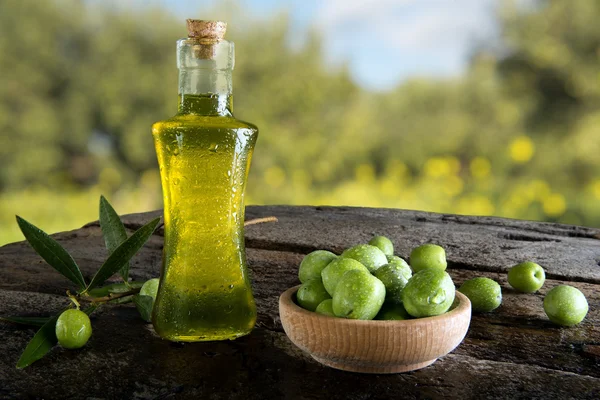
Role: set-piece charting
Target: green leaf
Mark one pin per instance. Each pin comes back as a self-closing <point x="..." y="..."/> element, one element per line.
<point x="136" y="284"/>
<point x="124" y="287"/>
<point x="89" y="310"/>
<point x="123" y="253"/>
<point x="100" y="292"/>
<point x="121" y="300"/>
<point x="115" y="288"/>
<point x="39" y="321"/>
<point x="52" y="252"/>
<point x="144" y="306"/>
<point x="113" y="231"/>
<point x="41" y="344"/>
<point x="31" y="321"/>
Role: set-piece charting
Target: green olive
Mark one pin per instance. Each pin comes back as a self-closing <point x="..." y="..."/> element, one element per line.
<point x="527" y="277"/>
<point x="336" y="269"/>
<point x="428" y="256"/>
<point x="384" y="244"/>
<point x="369" y="256"/>
<point x="311" y="293"/>
<point x="403" y="265"/>
<point x="359" y="295"/>
<point x="394" y="277"/>
<point x="313" y="264"/>
<point x="429" y="292"/>
<point x="485" y="294"/>
<point x="565" y="305"/>
<point x="325" y="308"/>
<point x="150" y="288"/>
<point x="73" y="329"/>
<point x="392" y="312"/>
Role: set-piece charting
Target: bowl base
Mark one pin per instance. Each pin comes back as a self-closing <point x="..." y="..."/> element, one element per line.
<point x="373" y="369"/>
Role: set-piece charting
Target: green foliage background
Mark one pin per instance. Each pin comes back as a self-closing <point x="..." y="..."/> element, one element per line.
<point x="517" y="136"/>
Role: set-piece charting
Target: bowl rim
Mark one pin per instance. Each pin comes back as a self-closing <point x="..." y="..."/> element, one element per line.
<point x="464" y="306"/>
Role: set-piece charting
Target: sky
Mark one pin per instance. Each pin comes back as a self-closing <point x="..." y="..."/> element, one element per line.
<point x="382" y="41"/>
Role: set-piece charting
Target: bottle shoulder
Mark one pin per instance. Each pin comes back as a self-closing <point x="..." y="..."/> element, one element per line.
<point x="192" y="121"/>
<point x="248" y="125"/>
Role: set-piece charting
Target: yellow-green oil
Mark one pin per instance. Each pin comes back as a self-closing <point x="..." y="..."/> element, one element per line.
<point x="204" y="157"/>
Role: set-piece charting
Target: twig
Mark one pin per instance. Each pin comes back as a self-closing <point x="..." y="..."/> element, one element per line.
<point x="260" y="220"/>
<point x="73" y="299"/>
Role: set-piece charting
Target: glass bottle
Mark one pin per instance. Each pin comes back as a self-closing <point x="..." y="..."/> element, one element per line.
<point x="204" y="156"/>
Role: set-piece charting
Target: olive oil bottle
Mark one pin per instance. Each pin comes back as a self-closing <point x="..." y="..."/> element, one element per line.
<point x="204" y="156"/>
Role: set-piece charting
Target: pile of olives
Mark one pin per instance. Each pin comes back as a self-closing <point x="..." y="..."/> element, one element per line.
<point x="368" y="282"/>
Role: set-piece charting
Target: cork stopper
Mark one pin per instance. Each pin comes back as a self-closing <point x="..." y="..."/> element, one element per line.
<point x="206" y="31"/>
<point x="207" y="34"/>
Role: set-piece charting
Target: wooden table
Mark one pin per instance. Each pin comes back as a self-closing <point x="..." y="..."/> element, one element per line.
<point x="513" y="352"/>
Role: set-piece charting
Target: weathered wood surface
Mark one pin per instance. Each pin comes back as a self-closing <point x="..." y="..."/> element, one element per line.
<point x="513" y="352"/>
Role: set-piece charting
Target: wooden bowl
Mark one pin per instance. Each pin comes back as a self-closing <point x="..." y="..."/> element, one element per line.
<point x="376" y="347"/>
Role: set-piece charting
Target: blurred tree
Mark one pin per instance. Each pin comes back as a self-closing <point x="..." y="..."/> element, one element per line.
<point x="553" y="62"/>
<point x="517" y="135"/>
<point x="91" y="82"/>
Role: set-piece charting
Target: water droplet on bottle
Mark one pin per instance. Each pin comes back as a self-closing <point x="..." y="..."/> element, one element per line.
<point x="176" y="181"/>
<point x="176" y="151"/>
<point x="231" y="286"/>
<point x="213" y="147"/>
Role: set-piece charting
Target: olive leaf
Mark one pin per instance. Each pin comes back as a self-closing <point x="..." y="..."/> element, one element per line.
<point x="43" y="341"/>
<point x="115" y="288"/>
<point x="31" y="321"/>
<point x="121" y="300"/>
<point x="124" y="288"/>
<point x="144" y="306"/>
<point x="113" y="231"/>
<point x="51" y="251"/>
<point x="89" y="310"/>
<point x="123" y="254"/>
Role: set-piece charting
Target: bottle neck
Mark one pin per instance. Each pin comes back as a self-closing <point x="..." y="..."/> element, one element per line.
<point x="205" y="91"/>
